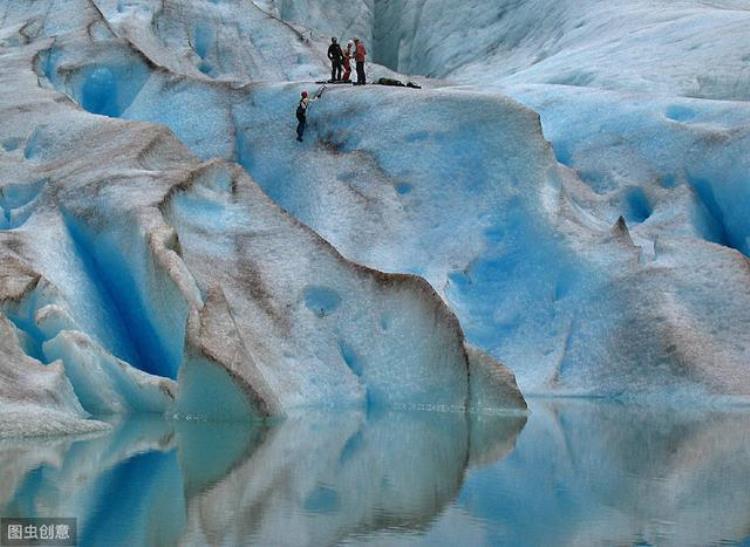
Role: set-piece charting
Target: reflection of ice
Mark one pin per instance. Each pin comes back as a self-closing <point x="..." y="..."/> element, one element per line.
<point x="109" y="482"/>
<point x="316" y="482"/>
<point x="312" y="479"/>
<point x="579" y="473"/>
<point x="591" y="474"/>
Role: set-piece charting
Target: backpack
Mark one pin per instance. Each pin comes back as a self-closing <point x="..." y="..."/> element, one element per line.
<point x="301" y="110"/>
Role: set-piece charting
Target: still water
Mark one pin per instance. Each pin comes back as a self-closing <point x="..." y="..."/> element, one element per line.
<point x="572" y="473"/>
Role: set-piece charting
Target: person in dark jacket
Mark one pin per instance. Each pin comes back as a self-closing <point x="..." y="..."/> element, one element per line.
<point x="337" y="59"/>
<point x="360" y="54"/>
<point x="304" y="102"/>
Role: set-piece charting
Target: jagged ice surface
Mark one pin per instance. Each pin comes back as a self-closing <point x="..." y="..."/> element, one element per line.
<point x="160" y="284"/>
<point x="609" y="261"/>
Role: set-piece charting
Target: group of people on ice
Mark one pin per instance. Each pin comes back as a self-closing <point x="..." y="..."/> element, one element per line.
<point x="341" y="71"/>
<point x="341" y="68"/>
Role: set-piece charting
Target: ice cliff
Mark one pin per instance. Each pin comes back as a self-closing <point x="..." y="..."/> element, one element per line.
<point x="138" y="278"/>
<point x="578" y="198"/>
<point x="613" y="263"/>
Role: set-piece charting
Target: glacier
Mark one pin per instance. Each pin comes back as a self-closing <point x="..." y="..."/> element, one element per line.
<point x="566" y="194"/>
<point x="142" y="277"/>
<point x="645" y="107"/>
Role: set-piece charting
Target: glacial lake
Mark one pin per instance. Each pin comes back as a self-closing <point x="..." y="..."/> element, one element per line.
<point x="571" y="473"/>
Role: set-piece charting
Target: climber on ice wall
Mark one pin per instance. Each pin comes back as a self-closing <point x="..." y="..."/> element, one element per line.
<point x="302" y="106"/>
<point x="304" y="102"/>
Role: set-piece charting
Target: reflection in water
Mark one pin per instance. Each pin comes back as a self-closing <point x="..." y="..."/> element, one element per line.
<point x="587" y="473"/>
<point x="581" y="473"/>
<point x="314" y="480"/>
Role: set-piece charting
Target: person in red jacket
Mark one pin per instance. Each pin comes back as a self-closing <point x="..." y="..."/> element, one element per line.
<point x="347" y="61"/>
<point x="360" y="53"/>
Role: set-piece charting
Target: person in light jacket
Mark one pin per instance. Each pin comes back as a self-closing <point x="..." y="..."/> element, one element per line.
<point x="348" y="53"/>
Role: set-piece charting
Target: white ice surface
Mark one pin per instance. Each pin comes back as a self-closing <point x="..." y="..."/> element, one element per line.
<point x="158" y="283"/>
